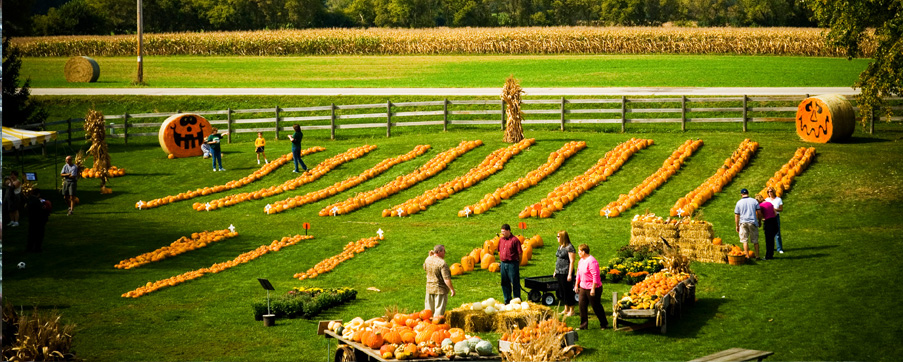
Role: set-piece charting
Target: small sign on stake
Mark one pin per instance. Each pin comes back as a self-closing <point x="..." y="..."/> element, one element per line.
<point x="231" y="228"/>
<point x="400" y="211"/>
<point x="306" y="227"/>
<point x="335" y="210"/>
<point x="380" y="233"/>
<point x="522" y="225"/>
<point x="266" y="209"/>
<point x="140" y="204"/>
<point x="467" y="211"/>
<point x="207" y="206"/>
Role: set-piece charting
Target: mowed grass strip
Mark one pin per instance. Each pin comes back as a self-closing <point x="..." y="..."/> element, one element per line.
<point x="840" y="225"/>
<point x="461" y="71"/>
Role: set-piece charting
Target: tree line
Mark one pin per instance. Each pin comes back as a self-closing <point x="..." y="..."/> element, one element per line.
<point x="95" y="17"/>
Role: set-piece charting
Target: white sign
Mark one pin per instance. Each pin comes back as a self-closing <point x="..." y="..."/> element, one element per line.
<point x="267" y="208"/>
<point x="607" y="211"/>
<point x="467" y="211"/>
<point x="335" y="210"/>
<point x="400" y="211"/>
<point x="680" y="212"/>
<point x="380" y="233"/>
<point x="231" y="228"/>
<point x="140" y="204"/>
<point x="207" y="206"/>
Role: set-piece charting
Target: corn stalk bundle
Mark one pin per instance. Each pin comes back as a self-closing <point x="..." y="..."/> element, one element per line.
<point x="95" y="133"/>
<point x="511" y="93"/>
<point x="546" y="347"/>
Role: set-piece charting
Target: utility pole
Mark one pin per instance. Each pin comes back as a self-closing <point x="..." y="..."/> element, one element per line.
<point x="140" y="78"/>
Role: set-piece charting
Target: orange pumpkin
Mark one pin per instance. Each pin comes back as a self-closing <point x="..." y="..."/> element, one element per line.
<point x="399" y="319"/>
<point x="456" y="269"/>
<point x="487" y="261"/>
<point x="423" y="336"/>
<point x="467" y="263"/>
<point x="526" y="255"/>
<point x="408" y="336"/>
<point x="475" y="254"/>
<point x="426" y="314"/>
<point x="181" y="135"/>
<point x="393" y="337"/>
<point x="716" y="241"/>
<point x="374" y="340"/>
<point x="456" y="334"/>
<point x="495" y="267"/>
<point x="387" y="351"/>
<point x="410" y="348"/>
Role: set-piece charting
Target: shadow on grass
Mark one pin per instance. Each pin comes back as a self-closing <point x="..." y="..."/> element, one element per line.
<point x="864" y="140"/>
<point x="691" y="320"/>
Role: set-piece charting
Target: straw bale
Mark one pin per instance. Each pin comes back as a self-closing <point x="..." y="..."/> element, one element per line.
<point x="81" y="70"/>
<point x="457" y="317"/>
<point x="478" y="322"/>
<point x="504" y="321"/>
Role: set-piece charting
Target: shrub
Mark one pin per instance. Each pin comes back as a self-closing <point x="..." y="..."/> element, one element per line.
<point x="304" y="302"/>
<point x="36" y="336"/>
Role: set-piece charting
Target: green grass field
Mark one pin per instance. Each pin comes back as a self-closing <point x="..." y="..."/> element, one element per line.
<point x="830" y="297"/>
<point x="460" y="71"/>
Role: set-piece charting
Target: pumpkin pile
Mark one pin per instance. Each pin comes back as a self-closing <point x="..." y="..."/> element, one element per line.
<point x="654" y="181"/>
<point x="536" y="331"/>
<point x="348" y="252"/>
<point x="411" y="336"/>
<point x="276" y="245"/>
<point x="114" y="172"/>
<point x="485" y="256"/>
<point x="732" y="166"/>
<point x="307" y="177"/>
<point x="341" y="186"/>
<point x="783" y="178"/>
<point x="554" y="161"/>
<point x="400" y="183"/>
<point x="183" y="245"/>
<point x="256" y="175"/>
<point x="645" y="294"/>
<point x="490" y="165"/>
<point x="570" y="190"/>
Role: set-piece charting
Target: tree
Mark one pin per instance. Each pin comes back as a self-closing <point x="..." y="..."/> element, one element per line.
<point x="850" y="21"/>
<point x="18" y="107"/>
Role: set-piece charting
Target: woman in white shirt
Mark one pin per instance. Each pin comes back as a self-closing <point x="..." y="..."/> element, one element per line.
<point x="778" y="207"/>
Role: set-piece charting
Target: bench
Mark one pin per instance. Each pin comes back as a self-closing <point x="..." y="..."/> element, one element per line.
<point x="736" y="354"/>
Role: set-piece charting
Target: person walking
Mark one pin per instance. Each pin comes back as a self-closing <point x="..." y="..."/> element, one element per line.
<point x="70" y="181"/>
<point x="12" y="195"/>
<point x="510" y="253"/>
<point x="38" y="214"/>
<point x="746" y="216"/>
<point x="214" y="140"/>
<point x="589" y="287"/>
<point x="564" y="272"/>
<point x="259" y="144"/>
<point x="438" y="282"/>
<point x="769" y="224"/>
<point x="778" y="204"/>
<point x="296" y="147"/>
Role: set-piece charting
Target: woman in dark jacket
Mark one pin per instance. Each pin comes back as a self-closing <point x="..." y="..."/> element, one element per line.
<point x="564" y="272"/>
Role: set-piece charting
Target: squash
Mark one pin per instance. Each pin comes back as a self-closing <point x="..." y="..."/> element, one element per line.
<point x="392" y="337"/>
<point x="716" y="241"/>
<point x="426" y="314"/>
<point x="495" y="267"/>
<point x="472" y="342"/>
<point x="447" y="342"/>
<point x="387" y="351"/>
<point x="475" y="254"/>
<point x="487" y="261"/>
<point x="537" y="241"/>
<point x="462" y="349"/>
<point x="526" y="255"/>
<point x="456" y="269"/>
<point x="467" y="263"/>
<point x="484" y="348"/>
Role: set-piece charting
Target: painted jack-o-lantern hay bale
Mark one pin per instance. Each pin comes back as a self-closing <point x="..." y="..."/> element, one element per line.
<point x="825" y="118"/>
<point x="182" y="135"/>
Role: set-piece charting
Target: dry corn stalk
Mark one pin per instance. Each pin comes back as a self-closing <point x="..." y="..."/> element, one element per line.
<point x="95" y="132"/>
<point x="40" y="336"/>
<point x="511" y="93"/>
<point x="546" y="347"/>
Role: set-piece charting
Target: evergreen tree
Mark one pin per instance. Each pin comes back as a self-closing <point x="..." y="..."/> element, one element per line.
<point x="18" y="107"/>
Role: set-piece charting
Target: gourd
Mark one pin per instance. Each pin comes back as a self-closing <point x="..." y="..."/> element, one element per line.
<point x="472" y="342"/>
<point x="484" y="348"/>
<point x="447" y="342"/>
<point x="462" y="349"/>
<point x="387" y="351"/>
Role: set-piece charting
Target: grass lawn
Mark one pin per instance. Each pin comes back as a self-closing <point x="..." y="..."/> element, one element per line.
<point x="830" y="297"/>
<point x="460" y="71"/>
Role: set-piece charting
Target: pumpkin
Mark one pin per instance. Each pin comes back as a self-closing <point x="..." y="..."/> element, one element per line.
<point x="410" y="348"/>
<point x="439" y="336"/>
<point x="487" y="261"/>
<point x="399" y="318"/>
<point x="393" y="337"/>
<point x="456" y="335"/>
<point x="467" y="263"/>
<point x="387" y="351"/>
<point x="716" y="241"/>
<point x="484" y="348"/>
<point x="494" y="267"/>
<point x="374" y="340"/>
<point x="423" y="336"/>
<point x="526" y="255"/>
<point x="537" y="241"/>
<point x="408" y="336"/>
<point x="456" y="269"/>
<point x="426" y="314"/>
<point x="825" y="118"/>
<point x="476" y="254"/>
<point x="489" y="247"/>
<point x="181" y="135"/>
<point x="462" y="349"/>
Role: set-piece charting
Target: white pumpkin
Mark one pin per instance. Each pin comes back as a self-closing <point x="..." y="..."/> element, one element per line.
<point x="477" y="306"/>
<point x="524" y="306"/>
<point x="490" y="310"/>
<point x="515" y="301"/>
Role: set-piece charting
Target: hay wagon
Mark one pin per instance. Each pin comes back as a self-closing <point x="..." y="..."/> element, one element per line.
<point x="672" y="304"/>
<point x="541" y="289"/>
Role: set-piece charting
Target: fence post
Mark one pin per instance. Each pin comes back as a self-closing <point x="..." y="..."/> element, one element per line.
<point x="744" y="112"/>
<point x="69" y="134"/>
<point x="125" y="128"/>
<point x="683" y="113"/>
<point x="623" y="114"/>
<point x="562" y="113"/>
<point x="229" y="124"/>
<point x="332" y="123"/>
<point x="445" y="116"/>
<point x="276" y="131"/>
<point x="503" y="115"/>
<point x="388" y="119"/>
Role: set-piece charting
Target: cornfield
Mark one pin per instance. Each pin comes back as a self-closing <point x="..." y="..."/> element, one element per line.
<point x="534" y="40"/>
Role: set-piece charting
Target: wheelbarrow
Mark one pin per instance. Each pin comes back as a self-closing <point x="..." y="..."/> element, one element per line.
<point x="542" y="288"/>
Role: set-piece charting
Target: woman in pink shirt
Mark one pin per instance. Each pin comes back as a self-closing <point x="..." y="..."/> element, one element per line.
<point x="588" y="286"/>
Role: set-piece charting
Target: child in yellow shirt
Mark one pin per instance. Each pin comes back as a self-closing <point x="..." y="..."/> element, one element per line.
<point x="260" y="143"/>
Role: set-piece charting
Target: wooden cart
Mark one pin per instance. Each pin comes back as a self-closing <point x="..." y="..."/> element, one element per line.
<point x="672" y="304"/>
<point x="348" y="350"/>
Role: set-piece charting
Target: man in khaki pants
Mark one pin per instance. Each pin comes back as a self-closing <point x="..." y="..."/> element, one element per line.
<point x="438" y="282"/>
<point x="746" y="216"/>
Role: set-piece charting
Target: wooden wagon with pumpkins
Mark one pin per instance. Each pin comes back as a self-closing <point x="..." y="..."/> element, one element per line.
<point x="683" y="295"/>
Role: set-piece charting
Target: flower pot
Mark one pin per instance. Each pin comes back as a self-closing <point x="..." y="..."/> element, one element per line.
<point x="269" y="320"/>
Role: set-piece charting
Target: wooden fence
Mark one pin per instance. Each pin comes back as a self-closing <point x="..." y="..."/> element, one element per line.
<point x="562" y="112"/>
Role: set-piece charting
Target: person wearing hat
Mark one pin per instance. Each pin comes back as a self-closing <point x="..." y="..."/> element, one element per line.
<point x="746" y="215"/>
<point x="213" y="140"/>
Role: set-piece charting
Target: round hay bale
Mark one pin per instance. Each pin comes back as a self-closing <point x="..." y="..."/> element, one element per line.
<point x="81" y="70"/>
<point x="825" y="118"/>
<point x="182" y="135"/>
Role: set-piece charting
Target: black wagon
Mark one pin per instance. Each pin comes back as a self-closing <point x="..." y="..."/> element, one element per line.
<point x="542" y="288"/>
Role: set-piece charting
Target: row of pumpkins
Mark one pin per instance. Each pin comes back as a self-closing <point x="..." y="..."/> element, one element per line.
<point x="783" y="178"/>
<point x="485" y="256"/>
<point x="112" y="172"/>
<point x="411" y="336"/>
<point x="182" y="245"/>
<point x="572" y="189"/>
<point x="654" y="181"/>
<point x="732" y="166"/>
<point x="493" y="163"/>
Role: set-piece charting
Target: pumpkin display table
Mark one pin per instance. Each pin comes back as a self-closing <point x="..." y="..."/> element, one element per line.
<point x="672" y="303"/>
<point x="348" y="350"/>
